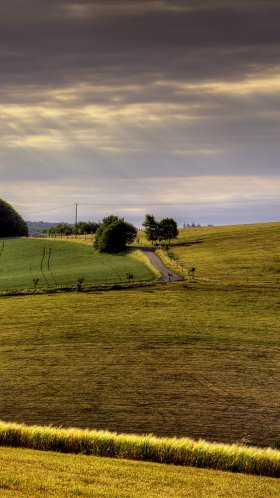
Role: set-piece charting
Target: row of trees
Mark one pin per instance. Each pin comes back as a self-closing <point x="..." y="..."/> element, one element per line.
<point x="113" y="234"/>
<point x="80" y="228"/>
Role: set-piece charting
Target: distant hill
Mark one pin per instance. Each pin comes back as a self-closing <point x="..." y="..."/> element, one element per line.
<point x="36" y="228"/>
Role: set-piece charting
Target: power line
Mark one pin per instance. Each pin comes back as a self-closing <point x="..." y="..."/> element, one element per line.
<point x="136" y="204"/>
<point x="50" y="209"/>
<point x="115" y="204"/>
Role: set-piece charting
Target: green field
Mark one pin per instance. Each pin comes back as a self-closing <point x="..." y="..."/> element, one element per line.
<point x="29" y="473"/>
<point x="199" y="358"/>
<point x="60" y="263"/>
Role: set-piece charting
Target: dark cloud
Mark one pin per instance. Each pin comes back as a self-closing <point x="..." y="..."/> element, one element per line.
<point x="53" y="42"/>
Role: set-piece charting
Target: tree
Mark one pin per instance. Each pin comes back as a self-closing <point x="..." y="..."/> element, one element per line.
<point x="85" y="227"/>
<point x="163" y="230"/>
<point x="11" y="223"/>
<point x="168" y="230"/>
<point x="61" y="229"/>
<point x="151" y="228"/>
<point x="113" y="234"/>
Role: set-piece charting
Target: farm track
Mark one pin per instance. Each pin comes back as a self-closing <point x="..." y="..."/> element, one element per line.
<point x="167" y="275"/>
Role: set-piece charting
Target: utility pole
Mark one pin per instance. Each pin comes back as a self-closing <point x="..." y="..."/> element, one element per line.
<point x="76" y="213"/>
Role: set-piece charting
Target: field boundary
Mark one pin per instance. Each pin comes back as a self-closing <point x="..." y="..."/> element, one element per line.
<point x="73" y="288"/>
<point x="176" y="451"/>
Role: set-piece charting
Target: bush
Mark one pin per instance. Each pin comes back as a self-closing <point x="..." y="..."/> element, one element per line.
<point x="114" y="234"/>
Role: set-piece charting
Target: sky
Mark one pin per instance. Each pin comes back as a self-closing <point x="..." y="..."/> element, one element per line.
<point x="141" y="106"/>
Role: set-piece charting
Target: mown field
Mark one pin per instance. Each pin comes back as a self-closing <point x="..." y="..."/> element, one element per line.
<point x="26" y="473"/>
<point x="60" y="263"/>
<point x="177" y="360"/>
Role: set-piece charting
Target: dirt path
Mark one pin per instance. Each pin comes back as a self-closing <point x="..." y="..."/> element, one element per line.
<point x="167" y="275"/>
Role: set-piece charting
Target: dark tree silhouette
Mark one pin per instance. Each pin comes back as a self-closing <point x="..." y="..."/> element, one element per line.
<point x="113" y="234"/>
<point x="11" y="223"/>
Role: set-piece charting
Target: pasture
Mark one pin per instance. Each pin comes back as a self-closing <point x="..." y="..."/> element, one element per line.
<point x="60" y="263"/>
<point x="199" y="359"/>
<point x="239" y="254"/>
<point x="171" y="360"/>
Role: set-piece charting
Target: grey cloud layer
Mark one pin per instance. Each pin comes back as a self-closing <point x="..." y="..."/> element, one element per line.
<point x="52" y="42"/>
<point x="122" y="89"/>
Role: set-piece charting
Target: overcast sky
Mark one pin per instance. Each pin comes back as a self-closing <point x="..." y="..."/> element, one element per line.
<point x="134" y="106"/>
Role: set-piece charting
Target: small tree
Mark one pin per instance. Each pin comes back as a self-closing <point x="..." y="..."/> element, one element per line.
<point x="35" y="282"/>
<point x="129" y="276"/>
<point x="151" y="228"/>
<point x="168" y="230"/>
<point x="80" y="282"/>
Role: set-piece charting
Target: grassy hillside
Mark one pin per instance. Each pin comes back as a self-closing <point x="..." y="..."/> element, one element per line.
<point x="58" y="263"/>
<point x="197" y="359"/>
<point x="171" y="360"/>
<point x="242" y="254"/>
<point x="26" y="473"/>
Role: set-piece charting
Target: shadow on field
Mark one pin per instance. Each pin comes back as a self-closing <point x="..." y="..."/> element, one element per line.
<point x="187" y="244"/>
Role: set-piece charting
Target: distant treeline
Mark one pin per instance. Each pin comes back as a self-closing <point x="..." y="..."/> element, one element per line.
<point x="41" y="228"/>
<point x="80" y="228"/>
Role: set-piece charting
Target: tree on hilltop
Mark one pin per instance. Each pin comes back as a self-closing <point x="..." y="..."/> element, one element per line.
<point x="11" y="223"/>
<point x="151" y="228"/>
<point x="167" y="230"/>
<point x="160" y="231"/>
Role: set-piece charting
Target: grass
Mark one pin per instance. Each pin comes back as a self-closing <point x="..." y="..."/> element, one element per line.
<point x="59" y="263"/>
<point x="184" y="451"/>
<point x="198" y="359"/>
<point x="241" y="254"/>
<point x="179" y="360"/>
<point x="29" y="473"/>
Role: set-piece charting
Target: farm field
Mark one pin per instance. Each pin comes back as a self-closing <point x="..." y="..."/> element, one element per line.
<point x="59" y="263"/>
<point x="199" y="358"/>
<point x="26" y="473"/>
<point x="180" y="359"/>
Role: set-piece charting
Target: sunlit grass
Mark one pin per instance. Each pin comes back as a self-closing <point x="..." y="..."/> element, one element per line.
<point x="241" y="254"/>
<point x="148" y="448"/>
<point x="30" y="473"/>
